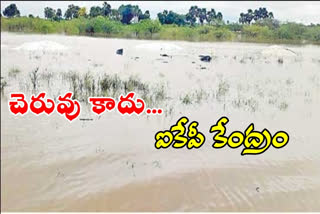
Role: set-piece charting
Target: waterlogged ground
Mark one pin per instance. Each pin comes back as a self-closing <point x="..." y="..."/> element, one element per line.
<point x="111" y="164"/>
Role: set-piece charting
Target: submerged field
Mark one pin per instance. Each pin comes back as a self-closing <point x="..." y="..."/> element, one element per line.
<point x="111" y="164"/>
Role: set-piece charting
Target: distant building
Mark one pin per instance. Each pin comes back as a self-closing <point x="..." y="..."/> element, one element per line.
<point x="198" y="21"/>
<point x="134" y="20"/>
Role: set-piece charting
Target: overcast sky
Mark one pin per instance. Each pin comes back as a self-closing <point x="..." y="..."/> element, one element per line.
<point x="299" y="11"/>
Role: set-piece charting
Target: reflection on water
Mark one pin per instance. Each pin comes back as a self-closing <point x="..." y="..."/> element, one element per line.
<point x="110" y="163"/>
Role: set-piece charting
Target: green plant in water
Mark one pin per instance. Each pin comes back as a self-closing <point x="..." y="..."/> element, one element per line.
<point x="34" y="76"/>
<point x="187" y="99"/>
<point x="74" y="79"/>
<point x="135" y="83"/>
<point x="88" y="84"/>
<point x="223" y="89"/>
<point x="3" y="85"/>
<point x="283" y="106"/>
<point x="14" y="72"/>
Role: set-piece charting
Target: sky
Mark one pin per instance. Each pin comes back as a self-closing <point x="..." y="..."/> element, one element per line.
<point x="299" y="11"/>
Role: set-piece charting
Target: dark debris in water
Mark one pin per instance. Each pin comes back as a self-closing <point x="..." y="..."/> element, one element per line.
<point x="280" y="61"/>
<point x="205" y="58"/>
<point x="86" y="119"/>
<point x="120" y="51"/>
<point x="165" y="55"/>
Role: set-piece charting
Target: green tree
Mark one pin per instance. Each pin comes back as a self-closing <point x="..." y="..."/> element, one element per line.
<point x="82" y="12"/>
<point x="128" y="12"/>
<point x="211" y="15"/>
<point x="49" y="13"/>
<point x="59" y="14"/>
<point x="106" y="9"/>
<point x="219" y="16"/>
<point x="256" y="15"/>
<point x="146" y="15"/>
<point x="115" y="15"/>
<point x="202" y="14"/>
<point x="95" y="11"/>
<point x="171" y="18"/>
<point x="271" y="15"/>
<point x="242" y="19"/>
<point x="162" y="16"/>
<point x="192" y="15"/>
<point x="11" y="11"/>
<point x="72" y="12"/>
<point x="249" y="16"/>
<point x="195" y="13"/>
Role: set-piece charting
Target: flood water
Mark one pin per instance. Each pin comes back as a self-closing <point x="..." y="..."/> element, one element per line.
<point x="110" y="163"/>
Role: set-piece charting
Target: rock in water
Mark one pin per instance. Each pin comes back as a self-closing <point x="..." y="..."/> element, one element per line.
<point x="205" y="58"/>
<point x="120" y="51"/>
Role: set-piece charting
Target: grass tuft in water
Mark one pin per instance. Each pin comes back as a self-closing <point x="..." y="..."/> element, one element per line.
<point x="14" y="72"/>
<point x="34" y="77"/>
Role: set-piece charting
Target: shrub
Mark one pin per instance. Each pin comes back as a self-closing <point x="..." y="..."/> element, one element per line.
<point x="290" y="31"/>
<point x="262" y="30"/>
<point x="256" y="32"/>
<point x="14" y="72"/>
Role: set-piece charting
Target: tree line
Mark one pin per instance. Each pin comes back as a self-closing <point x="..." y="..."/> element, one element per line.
<point x="258" y="14"/>
<point x="128" y="14"/>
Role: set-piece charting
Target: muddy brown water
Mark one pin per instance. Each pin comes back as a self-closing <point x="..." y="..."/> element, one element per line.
<point x="111" y="164"/>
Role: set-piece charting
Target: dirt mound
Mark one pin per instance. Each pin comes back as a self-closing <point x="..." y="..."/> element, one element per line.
<point x="278" y="51"/>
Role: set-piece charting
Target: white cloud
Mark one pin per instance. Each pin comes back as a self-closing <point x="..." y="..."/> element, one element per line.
<point x="299" y="11"/>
